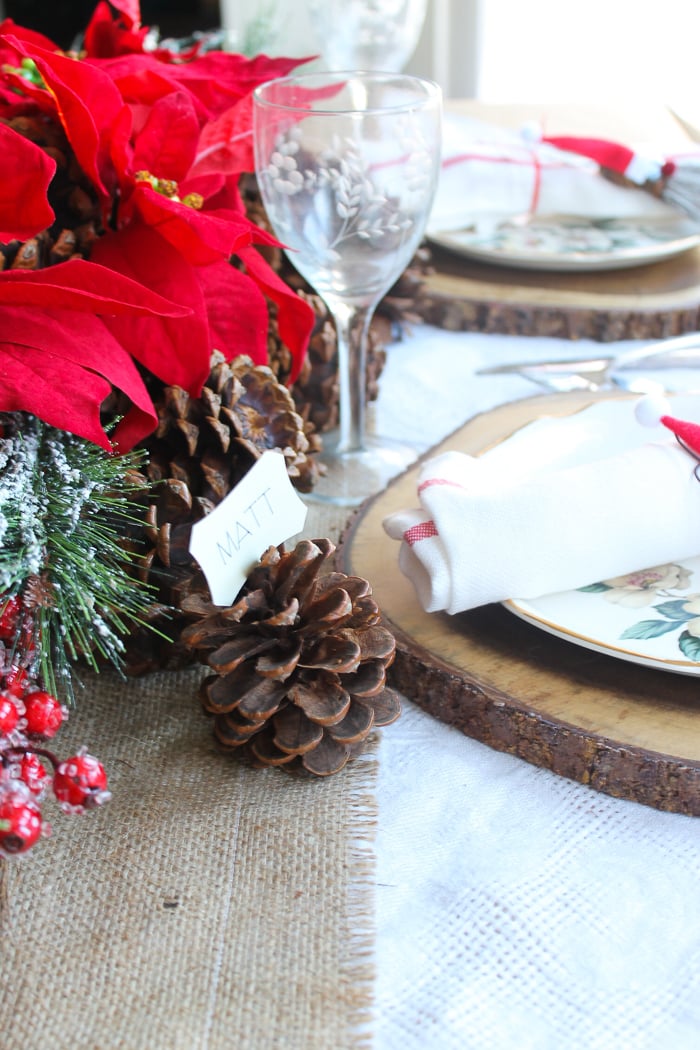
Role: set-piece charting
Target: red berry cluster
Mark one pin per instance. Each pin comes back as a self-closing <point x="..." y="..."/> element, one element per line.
<point x="29" y="716"/>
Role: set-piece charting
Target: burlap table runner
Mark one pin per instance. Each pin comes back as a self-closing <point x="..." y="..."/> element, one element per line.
<point x="208" y="906"/>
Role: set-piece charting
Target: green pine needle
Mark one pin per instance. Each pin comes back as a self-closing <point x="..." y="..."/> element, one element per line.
<point x="64" y="506"/>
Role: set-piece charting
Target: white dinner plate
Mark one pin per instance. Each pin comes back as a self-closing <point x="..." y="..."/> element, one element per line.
<point x="567" y="243"/>
<point x="650" y="617"/>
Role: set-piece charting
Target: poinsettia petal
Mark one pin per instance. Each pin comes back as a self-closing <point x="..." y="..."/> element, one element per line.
<point x="167" y="144"/>
<point x="67" y="350"/>
<point x="176" y="350"/>
<point x="88" y="103"/>
<point x="226" y="144"/>
<point x="218" y="79"/>
<point x="82" y="285"/>
<point x="215" y="80"/>
<point x="295" y="318"/>
<point x="237" y="311"/>
<point x="27" y="172"/>
<point x="202" y="236"/>
<point x="28" y="384"/>
<point x="130" y="11"/>
<point x="17" y="89"/>
<point x="30" y="36"/>
<point x="142" y="79"/>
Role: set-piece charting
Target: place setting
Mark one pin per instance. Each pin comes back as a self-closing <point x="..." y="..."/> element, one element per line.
<point x="579" y="222"/>
<point x="507" y="624"/>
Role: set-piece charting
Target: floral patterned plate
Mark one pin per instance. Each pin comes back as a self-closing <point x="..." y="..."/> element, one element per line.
<point x="650" y="617"/>
<point x="569" y="243"/>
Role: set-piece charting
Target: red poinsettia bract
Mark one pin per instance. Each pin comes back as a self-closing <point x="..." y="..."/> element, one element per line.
<point x="58" y="359"/>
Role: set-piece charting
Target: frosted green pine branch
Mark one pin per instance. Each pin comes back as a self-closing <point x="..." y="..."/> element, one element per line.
<point x="65" y="505"/>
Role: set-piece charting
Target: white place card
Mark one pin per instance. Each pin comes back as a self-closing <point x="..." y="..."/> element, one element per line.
<point x="261" y="511"/>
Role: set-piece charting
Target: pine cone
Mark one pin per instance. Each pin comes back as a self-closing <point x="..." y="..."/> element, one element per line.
<point x="199" y="452"/>
<point x="211" y="441"/>
<point x="299" y="662"/>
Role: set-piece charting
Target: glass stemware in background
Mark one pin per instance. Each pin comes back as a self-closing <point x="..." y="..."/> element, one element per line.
<point x="249" y="29"/>
<point x="347" y="165"/>
<point x="367" y="34"/>
<point x="378" y="35"/>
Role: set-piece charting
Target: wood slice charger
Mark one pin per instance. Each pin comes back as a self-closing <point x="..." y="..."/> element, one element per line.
<point x="655" y="301"/>
<point x="627" y="730"/>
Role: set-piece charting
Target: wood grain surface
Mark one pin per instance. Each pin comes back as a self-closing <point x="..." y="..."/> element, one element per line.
<point x="630" y="731"/>
<point x="655" y="301"/>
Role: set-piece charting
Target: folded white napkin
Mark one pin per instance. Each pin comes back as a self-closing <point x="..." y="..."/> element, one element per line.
<point x="489" y="174"/>
<point x="485" y="533"/>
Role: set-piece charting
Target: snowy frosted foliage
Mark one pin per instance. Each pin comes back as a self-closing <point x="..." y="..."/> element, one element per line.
<point x="64" y="507"/>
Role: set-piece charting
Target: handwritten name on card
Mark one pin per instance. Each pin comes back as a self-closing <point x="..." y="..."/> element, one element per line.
<point x="261" y="511"/>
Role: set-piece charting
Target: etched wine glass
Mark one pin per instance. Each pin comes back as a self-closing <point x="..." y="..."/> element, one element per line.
<point x="367" y="34"/>
<point x="347" y="165"/>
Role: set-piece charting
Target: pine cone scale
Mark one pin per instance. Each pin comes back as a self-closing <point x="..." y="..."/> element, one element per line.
<point x="262" y="701"/>
<point x="281" y="666"/>
<point x="355" y="727"/>
<point x="232" y="654"/>
<point x="263" y="748"/>
<point x="325" y="702"/>
<point x="295" y="734"/>
<point x="386" y="706"/>
<point x="327" y="758"/>
<point x="368" y="680"/>
<point x="375" y="643"/>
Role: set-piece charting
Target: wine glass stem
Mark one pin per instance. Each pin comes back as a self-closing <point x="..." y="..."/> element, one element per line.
<point x="352" y="332"/>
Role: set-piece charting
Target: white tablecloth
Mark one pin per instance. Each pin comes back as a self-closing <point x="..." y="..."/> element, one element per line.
<point x="517" y="909"/>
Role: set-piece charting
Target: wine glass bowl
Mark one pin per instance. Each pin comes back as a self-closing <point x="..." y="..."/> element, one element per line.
<point x="347" y="165"/>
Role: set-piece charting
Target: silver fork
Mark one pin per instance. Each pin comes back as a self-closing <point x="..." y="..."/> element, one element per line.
<point x="605" y="372"/>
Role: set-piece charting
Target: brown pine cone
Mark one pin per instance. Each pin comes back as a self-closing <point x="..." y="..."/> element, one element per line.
<point x="211" y="441"/>
<point x="299" y="662"/>
<point x="202" y="448"/>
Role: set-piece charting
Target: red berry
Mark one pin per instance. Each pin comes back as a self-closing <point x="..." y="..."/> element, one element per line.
<point x="80" y="783"/>
<point x="20" y="823"/>
<point x="9" y="714"/>
<point x="32" y="772"/>
<point x="43" y="712"/>
<point x="16" y="681"/>
<point x="10" y="610"/>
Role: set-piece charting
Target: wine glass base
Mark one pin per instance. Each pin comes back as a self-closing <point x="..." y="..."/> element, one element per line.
<point x="352" y="477"/>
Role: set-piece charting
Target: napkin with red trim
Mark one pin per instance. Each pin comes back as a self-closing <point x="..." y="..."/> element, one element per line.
<point x="483" y="534"/>
<point x="489" y="174"/>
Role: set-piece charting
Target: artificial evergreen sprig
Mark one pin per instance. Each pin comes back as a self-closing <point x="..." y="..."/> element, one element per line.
<point x="65" y="507"/>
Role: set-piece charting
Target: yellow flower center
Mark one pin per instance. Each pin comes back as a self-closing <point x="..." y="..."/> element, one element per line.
<point x="170" y="189"/>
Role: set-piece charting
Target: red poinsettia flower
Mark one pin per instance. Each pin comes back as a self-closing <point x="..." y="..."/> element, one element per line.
<point x="171" y="221"/>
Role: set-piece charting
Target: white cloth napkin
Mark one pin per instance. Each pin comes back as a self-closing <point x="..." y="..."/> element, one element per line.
<point x="484" y="533"/>
<point x="489" y="174"/>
